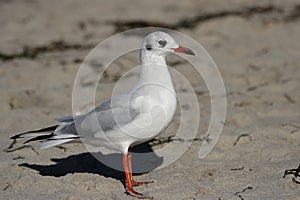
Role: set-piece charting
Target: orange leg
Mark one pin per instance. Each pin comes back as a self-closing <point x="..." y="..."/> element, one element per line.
<point x="129" y="188"/>
<point x="134" y="183"/>
<point x="128" y="174"/>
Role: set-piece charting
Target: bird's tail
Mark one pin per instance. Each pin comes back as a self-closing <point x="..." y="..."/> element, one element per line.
<point x="37" y="134"/>
<point x="47" y="136"/>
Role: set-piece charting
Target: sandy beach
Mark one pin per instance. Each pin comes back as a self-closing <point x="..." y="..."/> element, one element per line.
<point x="255" y="45"/>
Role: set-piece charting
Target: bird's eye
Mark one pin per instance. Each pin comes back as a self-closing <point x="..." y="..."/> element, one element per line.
<point x="162" y="43"/>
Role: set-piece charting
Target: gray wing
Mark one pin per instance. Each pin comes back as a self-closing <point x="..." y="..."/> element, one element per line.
<point x="115" y="112"/>
<point x="66" y="119"/>
<point x="111" y="114"/>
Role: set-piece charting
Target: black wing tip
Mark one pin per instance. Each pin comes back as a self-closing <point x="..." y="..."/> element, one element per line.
<point x="39" y="138"/>
<point x="50" y="128"/>
<point x="16" y="136"/>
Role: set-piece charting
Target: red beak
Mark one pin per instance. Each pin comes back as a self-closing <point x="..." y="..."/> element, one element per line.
<point x="184" y="50"/>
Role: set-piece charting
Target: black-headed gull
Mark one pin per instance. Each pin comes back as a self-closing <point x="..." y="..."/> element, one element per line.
<point x="129" y="119"/>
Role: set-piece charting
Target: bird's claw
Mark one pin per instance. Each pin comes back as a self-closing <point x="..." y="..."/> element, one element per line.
<point x="134" y="193"/>
<point x="136" y="183"/>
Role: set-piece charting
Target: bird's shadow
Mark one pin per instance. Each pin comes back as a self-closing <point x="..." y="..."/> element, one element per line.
<point x="88" y="163"/>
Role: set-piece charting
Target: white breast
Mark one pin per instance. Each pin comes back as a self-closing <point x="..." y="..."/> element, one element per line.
<point x="160" y="106"/>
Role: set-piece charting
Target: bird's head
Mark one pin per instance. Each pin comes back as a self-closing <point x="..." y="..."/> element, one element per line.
<point x="162" y="44"/>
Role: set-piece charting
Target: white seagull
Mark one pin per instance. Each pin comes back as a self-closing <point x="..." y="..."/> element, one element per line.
<point x="128" y="119"/>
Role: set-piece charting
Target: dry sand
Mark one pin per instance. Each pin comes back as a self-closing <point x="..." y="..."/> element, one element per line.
<point x="255" y="45"/>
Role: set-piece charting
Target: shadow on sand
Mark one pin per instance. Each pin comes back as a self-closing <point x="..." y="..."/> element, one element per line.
<point x="88" y="163"/>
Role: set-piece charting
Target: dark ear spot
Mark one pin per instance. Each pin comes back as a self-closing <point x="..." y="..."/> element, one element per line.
<point x="162" y="43"/>
<point x="148" y="47"/>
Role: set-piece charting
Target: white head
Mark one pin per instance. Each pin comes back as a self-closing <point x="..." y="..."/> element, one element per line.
<point x="162" y="44"/>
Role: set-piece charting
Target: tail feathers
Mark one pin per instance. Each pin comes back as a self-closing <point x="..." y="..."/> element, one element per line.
<point x="39" y="138"/>
<point x="47" y="136"/>
<point x="36" y="133"/>
<point x="64" y="136"/>
<point x="52" y="143"/>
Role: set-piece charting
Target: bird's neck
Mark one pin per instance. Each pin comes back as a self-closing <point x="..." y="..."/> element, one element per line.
<point x="154" y="70"/>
